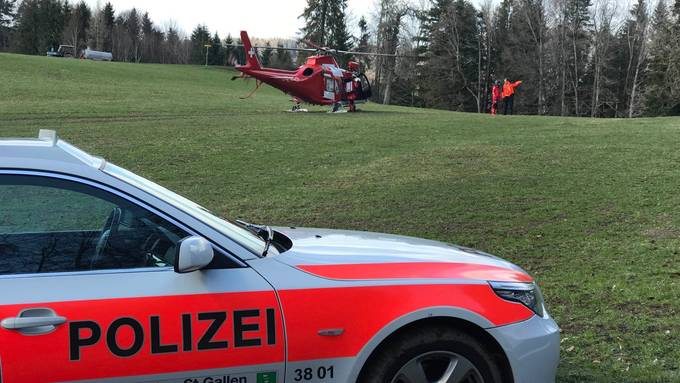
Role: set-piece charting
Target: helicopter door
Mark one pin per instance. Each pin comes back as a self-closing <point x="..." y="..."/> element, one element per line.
<point x="329" y="92"/>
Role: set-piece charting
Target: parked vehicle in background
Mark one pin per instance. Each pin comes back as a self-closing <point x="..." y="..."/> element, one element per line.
<point x="62" y="51"/>
<point x="88" y="54"/>
<point x="91" y="54"/>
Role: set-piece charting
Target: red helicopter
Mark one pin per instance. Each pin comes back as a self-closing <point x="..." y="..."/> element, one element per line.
<point x="320" y="81"/>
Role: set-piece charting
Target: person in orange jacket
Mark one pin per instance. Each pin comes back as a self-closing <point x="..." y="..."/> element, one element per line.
<point x="495" y="97"/>
<point x="509" y="94"/>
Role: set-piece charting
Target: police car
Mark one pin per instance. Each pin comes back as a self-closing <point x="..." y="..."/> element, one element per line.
<point x="106" y="276"/>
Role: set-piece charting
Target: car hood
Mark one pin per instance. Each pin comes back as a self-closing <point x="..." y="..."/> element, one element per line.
<point x="342" y="254"/>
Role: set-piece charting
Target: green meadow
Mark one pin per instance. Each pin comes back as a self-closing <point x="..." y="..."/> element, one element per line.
<point x="590" y="207"/>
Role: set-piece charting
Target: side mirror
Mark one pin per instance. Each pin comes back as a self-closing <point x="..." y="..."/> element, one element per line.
<point x="193" y="253"/>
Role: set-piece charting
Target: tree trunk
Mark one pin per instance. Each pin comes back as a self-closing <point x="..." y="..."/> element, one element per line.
<point x="324" y="8"/>
<point x="575" y="80"/>
<point x="640" y="59"/>
<point x="631" y="103"/>
<point x="537" y="35"/>
<point x="563" y="90"/>
<point x="629" y="68"/>
<point x="388" y="86"/>
<point x="479" y="73"/>
<point x="487" y="73"/>
<point x="596" y="89"/>
<point x="541" y="95"/>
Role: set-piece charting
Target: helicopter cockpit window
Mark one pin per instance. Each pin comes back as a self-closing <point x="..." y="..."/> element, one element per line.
<point x="308" y="72"/>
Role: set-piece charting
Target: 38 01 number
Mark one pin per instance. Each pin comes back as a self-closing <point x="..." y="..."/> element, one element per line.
<point x="321" y="373"/>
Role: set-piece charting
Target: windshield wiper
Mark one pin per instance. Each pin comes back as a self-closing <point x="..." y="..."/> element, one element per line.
<point x="263" y="231"/>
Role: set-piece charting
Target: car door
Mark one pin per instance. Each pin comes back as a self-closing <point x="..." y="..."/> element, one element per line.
<point x="88" y="292"/>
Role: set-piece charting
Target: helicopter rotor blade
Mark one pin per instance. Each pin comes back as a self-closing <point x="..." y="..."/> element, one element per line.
<point x="273" y="48"/>
<point x="327" y="50"/>
<point x="337" y="51"/>
<point x="313" y="45"/>
<point x="377" y="54"/>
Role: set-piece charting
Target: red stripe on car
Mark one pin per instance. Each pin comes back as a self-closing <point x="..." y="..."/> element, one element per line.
<point x="363" y="311"/>
<point x="207" y="340"/>
<point x="416" y="270"/>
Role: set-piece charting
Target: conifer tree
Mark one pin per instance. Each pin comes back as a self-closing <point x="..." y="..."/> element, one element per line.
<point x="316" y="16"/>
<point x="266" y="56"/>
<point x="363" y="44"/>
<point x="77" y="26"/>
<point x="282" y="58"/>
<point x="216" y="51"/>
<point x="631" y="58"/>
<point x="239" y="54"/>
<point x="578" y="24"/>
<point x="199" y="38"/>
<point x="133" y="26"/>
<point x="147" y="39"/>
<point x="661" y="96"/>
<point x="325" y="25"/>
<point x="7" y="14"/>
<point x="108" y="20"/>
<point x="173" y="46"/>
<point x="228" y="51"/>
<point x="450" y="76"/>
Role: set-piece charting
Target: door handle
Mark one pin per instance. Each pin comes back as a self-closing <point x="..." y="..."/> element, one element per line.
<point x="22" y="323"/>
<point x="34" y="321"/>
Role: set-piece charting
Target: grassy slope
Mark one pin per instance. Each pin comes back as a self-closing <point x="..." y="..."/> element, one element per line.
<point x="587" y="206"/>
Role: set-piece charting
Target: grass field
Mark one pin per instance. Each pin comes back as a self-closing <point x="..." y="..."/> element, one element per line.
<point x="589" y="207"/>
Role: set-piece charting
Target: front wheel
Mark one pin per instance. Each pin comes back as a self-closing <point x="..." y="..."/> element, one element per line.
<point x="434" y="354"/>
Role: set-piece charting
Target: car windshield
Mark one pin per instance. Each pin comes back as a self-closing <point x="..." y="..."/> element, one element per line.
<point x="242" y="236"/>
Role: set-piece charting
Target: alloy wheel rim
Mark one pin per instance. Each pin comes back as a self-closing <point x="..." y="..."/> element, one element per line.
<point x="438" y="367"/>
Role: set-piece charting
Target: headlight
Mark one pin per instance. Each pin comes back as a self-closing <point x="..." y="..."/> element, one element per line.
<point x="527" y="294"/>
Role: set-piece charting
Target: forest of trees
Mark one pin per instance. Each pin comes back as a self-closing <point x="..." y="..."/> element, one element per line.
<point x="37" y="26"/>
<point x="575" y="57"/>
<point x="589" y="58"/>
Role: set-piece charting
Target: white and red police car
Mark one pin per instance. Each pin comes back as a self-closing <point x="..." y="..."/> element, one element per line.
<point x="108" y="277"/>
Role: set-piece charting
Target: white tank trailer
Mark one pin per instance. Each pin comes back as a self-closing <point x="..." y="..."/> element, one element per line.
<point x="91" y="54"/>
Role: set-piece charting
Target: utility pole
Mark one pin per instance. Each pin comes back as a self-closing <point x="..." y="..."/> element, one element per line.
<point x="207" y="48"/>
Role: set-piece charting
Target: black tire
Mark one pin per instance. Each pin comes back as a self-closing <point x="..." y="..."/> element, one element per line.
<point x="396" y="353"/>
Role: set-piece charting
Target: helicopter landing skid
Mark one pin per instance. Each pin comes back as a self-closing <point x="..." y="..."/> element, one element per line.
<point x="297" y="108"/>
<point x="337" y="108"/>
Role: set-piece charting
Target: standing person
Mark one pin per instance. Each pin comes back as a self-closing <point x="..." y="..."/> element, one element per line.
<point x="495" y="96"/>
<point x="509" y="95"/>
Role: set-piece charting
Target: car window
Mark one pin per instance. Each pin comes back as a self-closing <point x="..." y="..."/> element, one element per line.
<point x="55" y="225"/>
<point x="242" y="236"/>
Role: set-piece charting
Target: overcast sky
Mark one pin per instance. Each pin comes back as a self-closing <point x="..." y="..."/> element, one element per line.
<point x="261" y="18"/>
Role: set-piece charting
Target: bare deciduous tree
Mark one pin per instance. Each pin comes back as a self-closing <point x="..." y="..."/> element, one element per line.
<point x="602" y="15"/>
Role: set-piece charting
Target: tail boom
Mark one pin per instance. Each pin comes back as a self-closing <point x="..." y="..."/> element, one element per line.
<point x="252" y="61"/>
